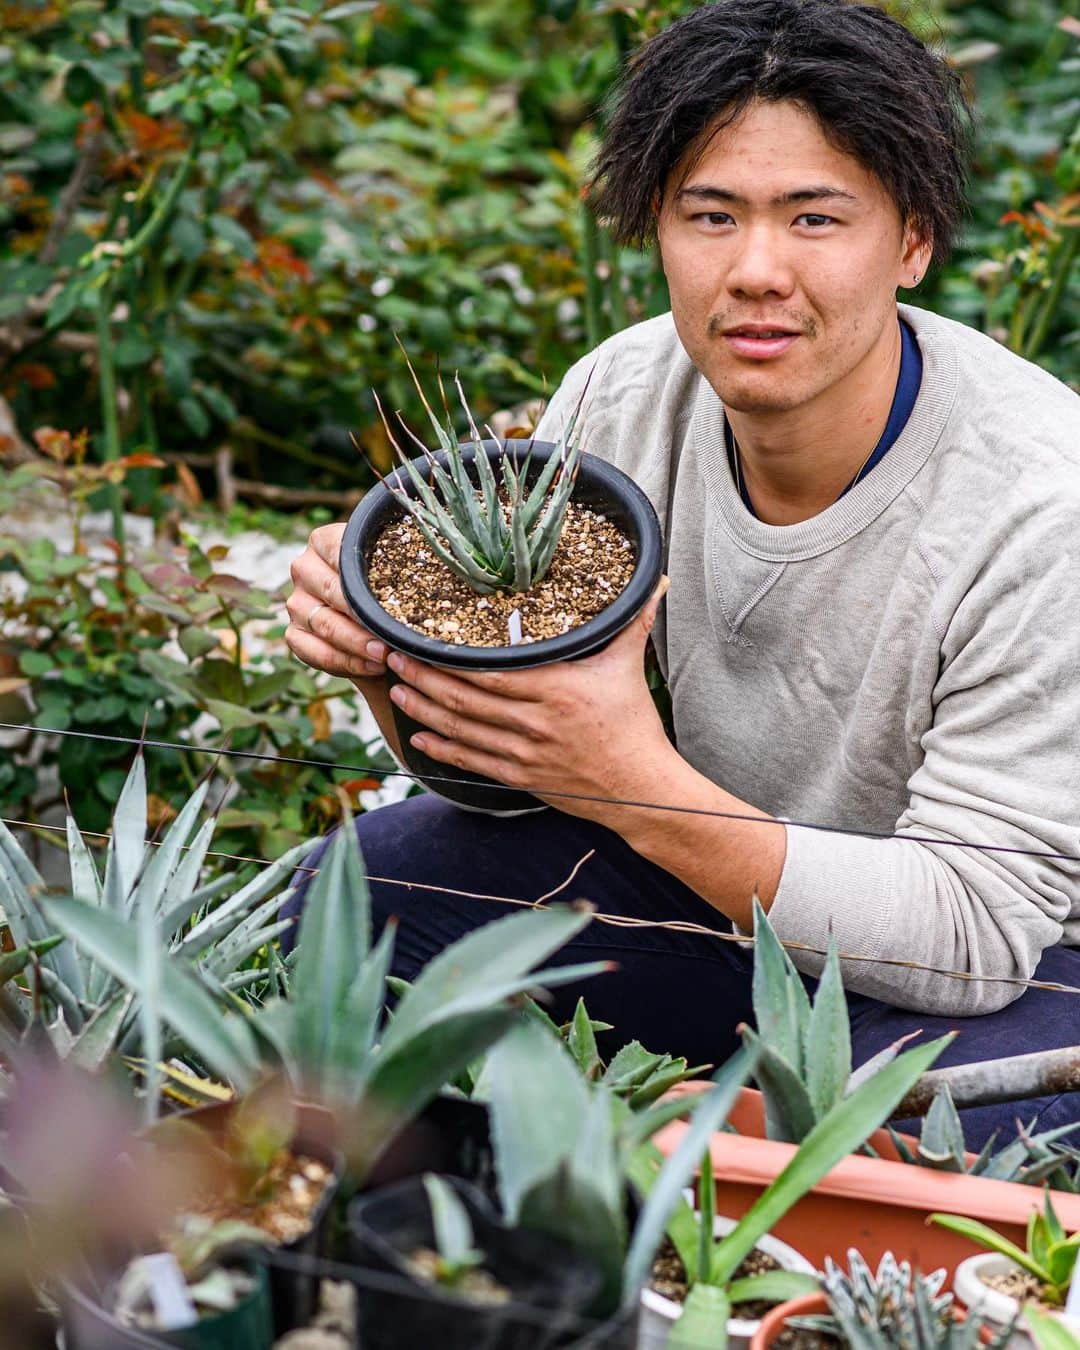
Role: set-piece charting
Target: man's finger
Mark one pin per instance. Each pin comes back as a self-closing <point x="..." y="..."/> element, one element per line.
<point x="320" y="655"/>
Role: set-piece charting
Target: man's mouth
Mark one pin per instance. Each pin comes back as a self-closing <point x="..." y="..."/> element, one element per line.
<point x="759" y="341"/>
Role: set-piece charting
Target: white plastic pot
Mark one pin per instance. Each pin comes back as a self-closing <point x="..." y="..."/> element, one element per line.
<point x="659" y="1314"/>
<point x="979" y="1298"/>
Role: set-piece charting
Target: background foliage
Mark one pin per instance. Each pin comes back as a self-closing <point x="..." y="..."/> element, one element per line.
<point x="216" y="214"/>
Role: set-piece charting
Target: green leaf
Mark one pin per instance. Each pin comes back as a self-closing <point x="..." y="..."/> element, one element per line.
<point x="789" y="1112"/>
<point x="828" y="1041"/>
<point x="704" y="1319"/>
<point x="460" y="977"/>
<point x="127" y="846"/>
<point x="14" y="963"/>
<point x="712" y="1108"/>
<point x="195" y="642"/>
<point x="132" y="351"/>
<point x="399" y="1086"/>
<point x="843" y="1129"/>
<point x="682" y="1227"/>
<point x="582" y="1042"/>
<point x="1048" y="1332"/>
<point x="773" y="1286"/>
<point x="194" y="415"/>
<point x="36" y="663"/>
<point x="781" y="1005"/>
<point x="188" y="237"/>
<point x="991" y="1240"/>
<point x="941" y="1140"/>
<point x="450" y="1220"/>
<point x="231" y="232"/>
<point x="221" y="99"/>
<point x="176" y="363"/>
<point x="538" y="1102"/>
<point x="334" y="939"/>
<point x="224" y="1043"/>
<point x="1061" y="1261"/>
<point x="96" y="1043"/>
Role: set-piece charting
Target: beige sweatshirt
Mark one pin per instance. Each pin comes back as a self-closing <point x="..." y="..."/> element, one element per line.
<point x="906" y="662"/>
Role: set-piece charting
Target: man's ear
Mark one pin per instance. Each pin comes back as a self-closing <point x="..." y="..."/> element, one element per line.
<point x="916" y="258"/>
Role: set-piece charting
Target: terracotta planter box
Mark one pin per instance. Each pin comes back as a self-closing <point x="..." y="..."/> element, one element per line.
<point x="874" y="1204"/>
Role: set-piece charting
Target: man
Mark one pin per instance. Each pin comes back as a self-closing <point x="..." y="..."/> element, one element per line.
<point x="873" y="623"/>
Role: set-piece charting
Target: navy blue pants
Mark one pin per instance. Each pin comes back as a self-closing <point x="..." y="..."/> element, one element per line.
<point x="683" y="993"/>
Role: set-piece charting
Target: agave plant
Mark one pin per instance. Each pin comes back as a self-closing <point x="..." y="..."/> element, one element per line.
<point x="151" y="901"/>
<point x="804" y="1069"/>
<point x="894" y="1309"/>
<point x="565" y="1150"/>
<point x="324" y="1025"/>
<point x="1029" y="1159"/>
<point x="497" y="533"/>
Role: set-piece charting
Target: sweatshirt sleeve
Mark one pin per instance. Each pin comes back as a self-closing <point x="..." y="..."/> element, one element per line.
<point x="1001" y="768"/>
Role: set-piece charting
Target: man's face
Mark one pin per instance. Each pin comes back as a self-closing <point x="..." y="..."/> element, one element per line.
<point x="782" y="257"/>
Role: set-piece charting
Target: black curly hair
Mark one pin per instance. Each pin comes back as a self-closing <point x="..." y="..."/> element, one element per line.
<point x="879" y="93"/>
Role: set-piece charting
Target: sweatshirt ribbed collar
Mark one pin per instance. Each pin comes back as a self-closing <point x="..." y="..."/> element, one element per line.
<point x="860" y="506"/>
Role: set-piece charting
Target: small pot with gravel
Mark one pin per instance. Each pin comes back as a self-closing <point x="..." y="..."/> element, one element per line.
<point x="497" y="554"/>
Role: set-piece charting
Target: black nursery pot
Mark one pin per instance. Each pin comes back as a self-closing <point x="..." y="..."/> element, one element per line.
<point x="600" y="487"/>
<point x="550" y="1286"/>
<point x="294" y="1293"/>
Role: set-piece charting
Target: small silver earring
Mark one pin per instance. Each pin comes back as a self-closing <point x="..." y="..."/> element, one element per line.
<point x="915" y="279"/>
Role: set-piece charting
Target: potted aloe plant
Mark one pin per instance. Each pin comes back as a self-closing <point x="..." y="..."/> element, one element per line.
<point x="497" y="555"/>
<point x="1004" y="1278"/>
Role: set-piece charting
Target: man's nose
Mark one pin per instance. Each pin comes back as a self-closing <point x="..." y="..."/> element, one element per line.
<point x="759" y="264"/>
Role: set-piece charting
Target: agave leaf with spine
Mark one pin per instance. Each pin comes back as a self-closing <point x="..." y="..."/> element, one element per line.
<point x="155" y="886"/>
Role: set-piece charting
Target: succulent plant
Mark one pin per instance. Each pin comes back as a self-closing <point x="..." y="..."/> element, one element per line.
<point x="152" y="898"/>
<point x="1029" y="1159"/>
<point x="565" y="1149"/>
<point x="455" y="1245"/>
<point x="804" y="1048"/>
<point x="324" y="1027"/>
<point x="804" y="1068"/>
<point x="893" y="1309"/>
<point x="497" y="533"/>
<point x="1050" y="1255"/>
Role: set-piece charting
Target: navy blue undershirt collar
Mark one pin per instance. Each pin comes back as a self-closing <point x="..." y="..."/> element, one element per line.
<point x="907" y="391"/>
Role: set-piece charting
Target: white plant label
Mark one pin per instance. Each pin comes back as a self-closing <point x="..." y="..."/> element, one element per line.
<point x="168" y="1291"/>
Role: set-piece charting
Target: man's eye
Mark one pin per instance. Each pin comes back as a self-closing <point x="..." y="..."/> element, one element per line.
<point x="814" y="220"/>
<point x="714" y="217"/>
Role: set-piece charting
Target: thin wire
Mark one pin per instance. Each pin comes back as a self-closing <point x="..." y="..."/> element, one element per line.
<point x="618" y="920"/>
<point x="567" y="796"/>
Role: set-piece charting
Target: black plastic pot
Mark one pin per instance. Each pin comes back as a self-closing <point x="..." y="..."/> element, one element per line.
<point x="451" y="1136"/>
<point x="248" y="1326"/>
<point x="601" y="487"/>
<point x="550" y="1286"/>
<point x="294" y="1294"/>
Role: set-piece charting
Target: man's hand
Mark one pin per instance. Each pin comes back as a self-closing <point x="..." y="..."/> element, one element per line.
<point x="585" y="727"/>
<point x="322" y="631"/>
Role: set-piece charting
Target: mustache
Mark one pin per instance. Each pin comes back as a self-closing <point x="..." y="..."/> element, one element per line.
<point x="719" y="323"/>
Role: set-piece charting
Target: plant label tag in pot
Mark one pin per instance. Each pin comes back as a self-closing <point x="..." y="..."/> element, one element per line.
<point x="168" y="1291"/>
<point x="1072" y="1301"/>
<point x="513" y="624"/>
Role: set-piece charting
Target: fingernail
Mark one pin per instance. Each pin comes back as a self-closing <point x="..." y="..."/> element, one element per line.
<point x="396" y="662"/>
<point x="377" y="651"/>
<point x="397" y="695"/>
<point x="418" y="742"/>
